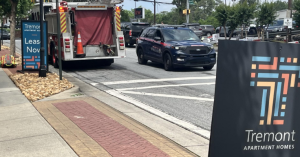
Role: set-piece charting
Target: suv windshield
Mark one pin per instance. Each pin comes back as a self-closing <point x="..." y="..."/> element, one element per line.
<point x="139" y="26"/>
<point x="179" y="34"/>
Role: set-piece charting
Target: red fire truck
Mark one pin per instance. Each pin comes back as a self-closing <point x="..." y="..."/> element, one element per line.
<point x="89" y="31"/>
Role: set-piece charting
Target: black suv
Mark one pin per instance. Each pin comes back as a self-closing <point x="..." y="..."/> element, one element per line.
<point x="174" y="47"/>
<point x="132" y="30"/>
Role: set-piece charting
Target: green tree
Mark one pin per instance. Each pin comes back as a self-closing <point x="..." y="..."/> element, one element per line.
<point x="249" y="2"/>
<point x="297" y="12"/>
<point x="13" y="9"/>
<point x="280" y="5"/>
<point x="233" y="18"/>
<point x="245" y="12"/>
<point x="265" y="16"/>
<point x="210" y="20"/>
<point x="126" y="15"/>
<point x="222" y="16"/>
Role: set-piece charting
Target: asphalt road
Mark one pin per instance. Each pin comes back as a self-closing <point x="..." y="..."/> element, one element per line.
<point x="186" y="93"/>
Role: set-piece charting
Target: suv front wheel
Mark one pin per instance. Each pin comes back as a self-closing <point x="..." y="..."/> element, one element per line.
<point x="141" y="57"/>
<point x="168" y="64"/>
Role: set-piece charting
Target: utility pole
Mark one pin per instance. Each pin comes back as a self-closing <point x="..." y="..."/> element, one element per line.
<point x="58" y="39"/>
<point x="42" y="71"/>
<point x="154" y="12"/>
<point x="187" y="9"/>
<point x="291" y="15"/>
<point x="1" y="42"/>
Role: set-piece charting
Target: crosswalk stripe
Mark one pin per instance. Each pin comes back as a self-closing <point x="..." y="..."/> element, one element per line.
<point x="157" y="80"/>
<point x="168" y="96"/>
<point x="163" y="86"/>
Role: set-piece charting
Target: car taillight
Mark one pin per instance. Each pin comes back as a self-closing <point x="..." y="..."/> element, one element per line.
<point x="121" y="43"/>
<point x="130" y="33"/>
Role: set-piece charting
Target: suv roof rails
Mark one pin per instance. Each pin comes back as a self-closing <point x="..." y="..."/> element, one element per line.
<point x="165" y="26"/>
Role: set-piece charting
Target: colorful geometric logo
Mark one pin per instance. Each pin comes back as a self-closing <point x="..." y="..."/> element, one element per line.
<point x="275" y="78"/>
<point x="32" y="62"/>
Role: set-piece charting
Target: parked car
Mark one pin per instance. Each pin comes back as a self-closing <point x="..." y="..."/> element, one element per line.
<point x="195" y="27"/>
<point x="7" y="25"/>
<point x="174" y="47"/>
<point x="277" y="26"/>
<point x="228" y="31"/>
<point x="132" y="30"/>
<point x="6" y="35"/>
<point x="237" y="31"/>
<point x="208" y="30"/>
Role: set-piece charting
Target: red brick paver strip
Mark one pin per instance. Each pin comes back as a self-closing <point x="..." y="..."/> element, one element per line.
<point x="115" y="138"/>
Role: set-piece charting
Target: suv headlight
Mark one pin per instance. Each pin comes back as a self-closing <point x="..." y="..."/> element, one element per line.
<point x="182" y="48"/>
<point x="211" y="47"/>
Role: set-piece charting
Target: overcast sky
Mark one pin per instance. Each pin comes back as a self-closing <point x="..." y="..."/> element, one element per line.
<point x="130" y="4"/>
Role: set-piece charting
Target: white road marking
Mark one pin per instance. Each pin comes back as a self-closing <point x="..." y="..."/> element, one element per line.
<point x="162" y="86"/>
<point x="94" y="84"/>
<point x="158" y="80"/>
<point x="168" y="96"/>
<point x="186" y="125"/>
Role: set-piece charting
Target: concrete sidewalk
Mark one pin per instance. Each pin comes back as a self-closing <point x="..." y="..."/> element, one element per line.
<point x="23" y="131"/>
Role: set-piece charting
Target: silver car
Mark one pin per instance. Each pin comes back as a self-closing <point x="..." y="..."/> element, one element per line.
<point x="277" y="26"/>
<point x="195" y="27"/>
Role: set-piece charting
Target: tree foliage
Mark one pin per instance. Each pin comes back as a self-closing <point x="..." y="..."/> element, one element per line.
<point x="222" y="15"/>
<point x="126" y="15"/>
<point x="249" y="2"/>
<point x="265" y="16"/>
<point x="233" y="18"/>
<point x="210" y="20"/>
<point x="244" y="13"/>
<point x="280" y="5"/>
<point x="296" y="15"/>
<point x="14" y="9"/>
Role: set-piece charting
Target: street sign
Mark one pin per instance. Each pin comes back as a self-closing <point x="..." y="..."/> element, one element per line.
<point x="288" y="22"/>
<point x="256" y="106"/>
<point x="191" y="2"/>
<point x="139" y="13"/>
<point x="31" y="44"/>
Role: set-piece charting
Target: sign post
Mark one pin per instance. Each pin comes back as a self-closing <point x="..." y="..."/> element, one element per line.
<point x="31" y="45"/>
<point x="256" y="106"/>
<point x="43" y="67"/>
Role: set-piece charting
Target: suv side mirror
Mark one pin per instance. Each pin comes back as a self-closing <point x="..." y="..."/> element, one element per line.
<point x="157" y="38"/>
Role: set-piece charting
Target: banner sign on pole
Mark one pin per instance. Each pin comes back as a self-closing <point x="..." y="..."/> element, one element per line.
<point x="139" y="13"/>
<point x="256" y="108"/>
<point x="31" y="44"/>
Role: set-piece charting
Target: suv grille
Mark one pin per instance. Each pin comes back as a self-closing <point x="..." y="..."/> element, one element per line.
<point x="200" y="50"/>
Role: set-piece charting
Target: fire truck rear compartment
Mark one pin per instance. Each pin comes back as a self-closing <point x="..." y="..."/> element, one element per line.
<point x="97" y="30"/>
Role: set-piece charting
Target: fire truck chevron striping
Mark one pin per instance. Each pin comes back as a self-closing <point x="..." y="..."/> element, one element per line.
<point x="118" y="20"/>
<point x="63" y="22"/>
<point x="98" y="23"/>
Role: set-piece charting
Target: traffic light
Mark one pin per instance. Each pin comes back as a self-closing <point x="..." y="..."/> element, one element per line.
<point x="191" y="2"/>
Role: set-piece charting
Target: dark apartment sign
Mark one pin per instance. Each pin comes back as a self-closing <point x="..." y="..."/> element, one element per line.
<point x="257" y="100"/>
